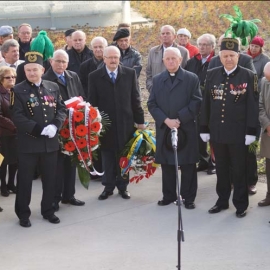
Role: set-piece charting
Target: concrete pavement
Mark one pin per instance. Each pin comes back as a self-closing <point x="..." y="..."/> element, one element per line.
<point x="136" y="234"/>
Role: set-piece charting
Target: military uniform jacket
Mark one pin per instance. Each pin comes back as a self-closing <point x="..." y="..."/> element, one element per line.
<point x="230" y="107"/>
<point x="41" y="106"/>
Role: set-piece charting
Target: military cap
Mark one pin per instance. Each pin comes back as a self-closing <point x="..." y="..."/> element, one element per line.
<point x="34" y="57"/>
<point x="69" y="32"/>
<point x="121" y="33"/>
<point x="230" y="44"/>
<point x="6" y="30"/>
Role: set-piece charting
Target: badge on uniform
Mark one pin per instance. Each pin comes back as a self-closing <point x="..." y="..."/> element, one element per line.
<point x="33" y="101"/>
<point x="217" y="92"/>
<point x="50" y="101"/>
<point x="238" y="90"/>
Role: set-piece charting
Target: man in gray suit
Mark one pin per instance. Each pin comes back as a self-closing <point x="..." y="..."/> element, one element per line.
<point x="70" y="86"/>
<point x="155" y="63"/>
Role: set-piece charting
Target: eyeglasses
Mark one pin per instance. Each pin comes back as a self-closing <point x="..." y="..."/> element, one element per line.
<point x="60" y="61"/>
<point x="25" y="33"/>
<point x="10" y="77"/>
<point x="112" y="57"/>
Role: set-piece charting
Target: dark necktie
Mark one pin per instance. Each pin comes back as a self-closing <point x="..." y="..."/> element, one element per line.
<point x="62" y="78"/>
<point x="112" y="77"/>
<point x="13" y="66"/>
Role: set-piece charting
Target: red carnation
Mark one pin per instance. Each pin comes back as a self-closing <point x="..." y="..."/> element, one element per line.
<point x="64" y="133"/>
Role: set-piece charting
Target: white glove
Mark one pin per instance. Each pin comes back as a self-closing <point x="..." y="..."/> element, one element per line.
<point x="49" y="131"/>
<point x="205" y="137"/>
<point x="250" y="139"/>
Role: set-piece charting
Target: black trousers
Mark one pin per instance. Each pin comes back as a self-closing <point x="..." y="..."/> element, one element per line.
<point x="112" y="174"/>
<point x="65" y="178"/>
<point x="26" y="170"/>
<point x="231" y="159"/>
<point x="12" y="169"/>
<point x="188" y="184"/>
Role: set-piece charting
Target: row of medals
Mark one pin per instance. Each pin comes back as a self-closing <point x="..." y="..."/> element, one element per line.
<point x="218" y="92"/>
<point x="49" y="100"/>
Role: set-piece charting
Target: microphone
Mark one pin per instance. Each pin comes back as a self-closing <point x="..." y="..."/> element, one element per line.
<point x="174" y="137"/>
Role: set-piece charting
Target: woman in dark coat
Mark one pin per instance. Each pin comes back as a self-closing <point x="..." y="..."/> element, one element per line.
<point x="7" y="132"/>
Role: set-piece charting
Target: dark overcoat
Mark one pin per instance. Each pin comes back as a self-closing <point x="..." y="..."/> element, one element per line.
<point x="73" y="87"/>
<point x="75" y="58"/>
<point x="180" y="99"/>
<point x="40" y="106"/>
<point x="120" y="101"/>
<point x="87" y="67"/>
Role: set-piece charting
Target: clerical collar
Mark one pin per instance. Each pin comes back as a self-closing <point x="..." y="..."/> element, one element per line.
<point x="172" y="74"/>
<point x="231" y="71"/>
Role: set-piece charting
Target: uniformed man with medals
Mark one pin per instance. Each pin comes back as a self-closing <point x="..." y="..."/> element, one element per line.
<point x="38" y="113"/>
<point x="229" y="120"/>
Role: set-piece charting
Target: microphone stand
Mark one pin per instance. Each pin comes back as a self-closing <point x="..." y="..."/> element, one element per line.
<point x="180" y="231"/>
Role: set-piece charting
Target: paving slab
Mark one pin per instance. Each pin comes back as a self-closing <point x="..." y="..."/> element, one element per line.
<point x="136" y="234"/>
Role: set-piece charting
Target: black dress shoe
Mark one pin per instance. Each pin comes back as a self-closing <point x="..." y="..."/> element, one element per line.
<point x="4" y="193"/>
<point x="125" y="194"/>
<point x="164" y="202"/>
<point x="73" y="201"/>
<point x="105" y="194"/>
<point x="241" y="214"/>
<point x="1" y="209"/>
<point x="52" y="219"/>
<point x="25" y="223"/>
<point x="216" y="209"/>
<point x="190" y="205"/>
<point x="211" y="171"/>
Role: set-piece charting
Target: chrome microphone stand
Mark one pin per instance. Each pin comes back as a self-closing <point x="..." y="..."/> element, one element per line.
<point x="180" y="230"/>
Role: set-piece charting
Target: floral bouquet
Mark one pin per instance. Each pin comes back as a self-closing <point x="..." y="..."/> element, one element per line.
<point x="79" y="136"/>
<point x="138" y="156"/>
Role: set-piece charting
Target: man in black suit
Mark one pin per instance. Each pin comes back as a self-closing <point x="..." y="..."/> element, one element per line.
<point x="114" y="90"/>
<point x="38" y="113"/>
<point x="245" y="61"/>
<point x="229" y="119"/>
<point x="70" y="86"/>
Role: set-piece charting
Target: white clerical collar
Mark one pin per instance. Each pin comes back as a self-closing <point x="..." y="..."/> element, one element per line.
<point x="231" y="71"/>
